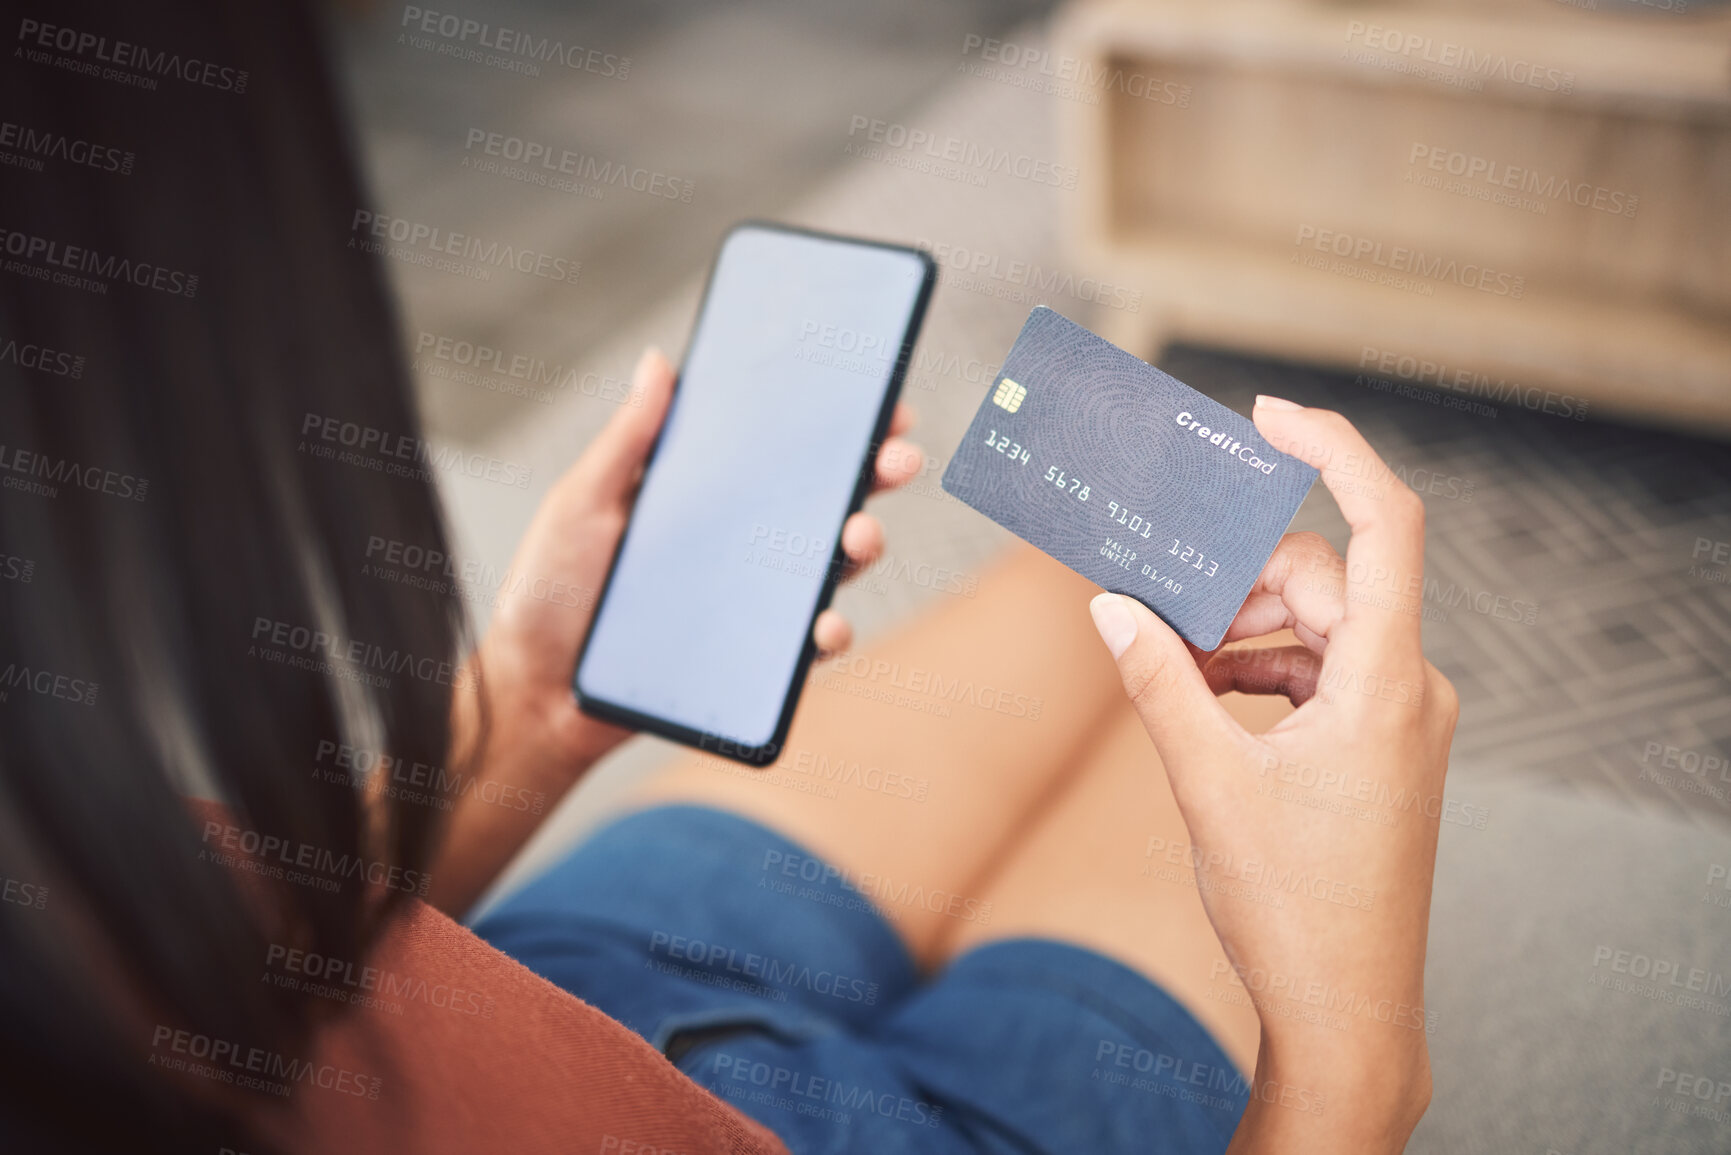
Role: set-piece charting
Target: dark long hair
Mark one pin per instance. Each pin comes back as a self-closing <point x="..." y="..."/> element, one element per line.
<point x="188" y="346"/>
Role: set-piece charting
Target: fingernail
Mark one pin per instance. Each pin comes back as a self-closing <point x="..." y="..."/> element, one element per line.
<point x="1263" y="401"/>
<point x="1112" y="618"/>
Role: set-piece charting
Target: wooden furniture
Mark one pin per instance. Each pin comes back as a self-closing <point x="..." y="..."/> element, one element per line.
<point x="1494" y="200"/>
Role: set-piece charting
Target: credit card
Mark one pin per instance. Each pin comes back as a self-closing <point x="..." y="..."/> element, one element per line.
<point x="1128" y="476"/>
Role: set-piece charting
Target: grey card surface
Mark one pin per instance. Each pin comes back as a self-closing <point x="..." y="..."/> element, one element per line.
<point x="1128" y="476"/>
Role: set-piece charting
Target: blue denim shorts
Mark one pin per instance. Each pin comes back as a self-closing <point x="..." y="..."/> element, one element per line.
<point x="770" y="980"/>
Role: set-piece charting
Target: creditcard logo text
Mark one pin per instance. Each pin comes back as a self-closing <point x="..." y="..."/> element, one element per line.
<point x="1225" y="441"/>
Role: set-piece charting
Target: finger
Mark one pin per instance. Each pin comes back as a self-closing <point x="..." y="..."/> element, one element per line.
<point x="1179" y="710"/>
<point x="1264" y="614"/>
<point x="1385" y="558"/>
<point x="862" y="540"/>
<point x="1290" y="671"/>
<point x="898" y="463"/>
<point x="611" y="464"/>
<point x="1302" y="588"/>
<point x="831" y="632"/>
<point x="902" y="419"/>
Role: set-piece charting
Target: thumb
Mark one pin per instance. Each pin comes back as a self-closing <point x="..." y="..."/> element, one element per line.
<point x="610" y="464"/>
<point x="1160" y="675"/>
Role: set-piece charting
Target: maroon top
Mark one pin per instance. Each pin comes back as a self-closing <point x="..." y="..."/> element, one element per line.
<point x="454" y="1047"/>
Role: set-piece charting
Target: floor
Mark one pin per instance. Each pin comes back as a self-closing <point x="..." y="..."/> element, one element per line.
<point x="742" y="107"/>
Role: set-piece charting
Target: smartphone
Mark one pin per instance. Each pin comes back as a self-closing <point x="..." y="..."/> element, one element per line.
<point x="702" y="633"/>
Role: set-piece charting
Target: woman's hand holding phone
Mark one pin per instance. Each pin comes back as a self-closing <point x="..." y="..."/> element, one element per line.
<point x="1345" y="791"/>
<point x="537" y="743"/>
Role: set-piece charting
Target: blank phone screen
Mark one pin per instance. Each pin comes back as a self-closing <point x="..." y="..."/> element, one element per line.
<point x="721" y="567"/>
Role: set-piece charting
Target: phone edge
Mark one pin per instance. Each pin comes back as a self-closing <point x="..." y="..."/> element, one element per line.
<point x="766" y="753"/>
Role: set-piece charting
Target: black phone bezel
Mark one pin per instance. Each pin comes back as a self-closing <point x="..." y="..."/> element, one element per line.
<point x="703" y="740"/>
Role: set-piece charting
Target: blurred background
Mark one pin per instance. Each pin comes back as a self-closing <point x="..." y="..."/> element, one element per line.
<point x="1495" y="233"/>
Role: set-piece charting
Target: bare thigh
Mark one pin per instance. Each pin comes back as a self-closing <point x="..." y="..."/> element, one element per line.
<point x="1108" y="868"/>
<point x="913" y="764"/>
